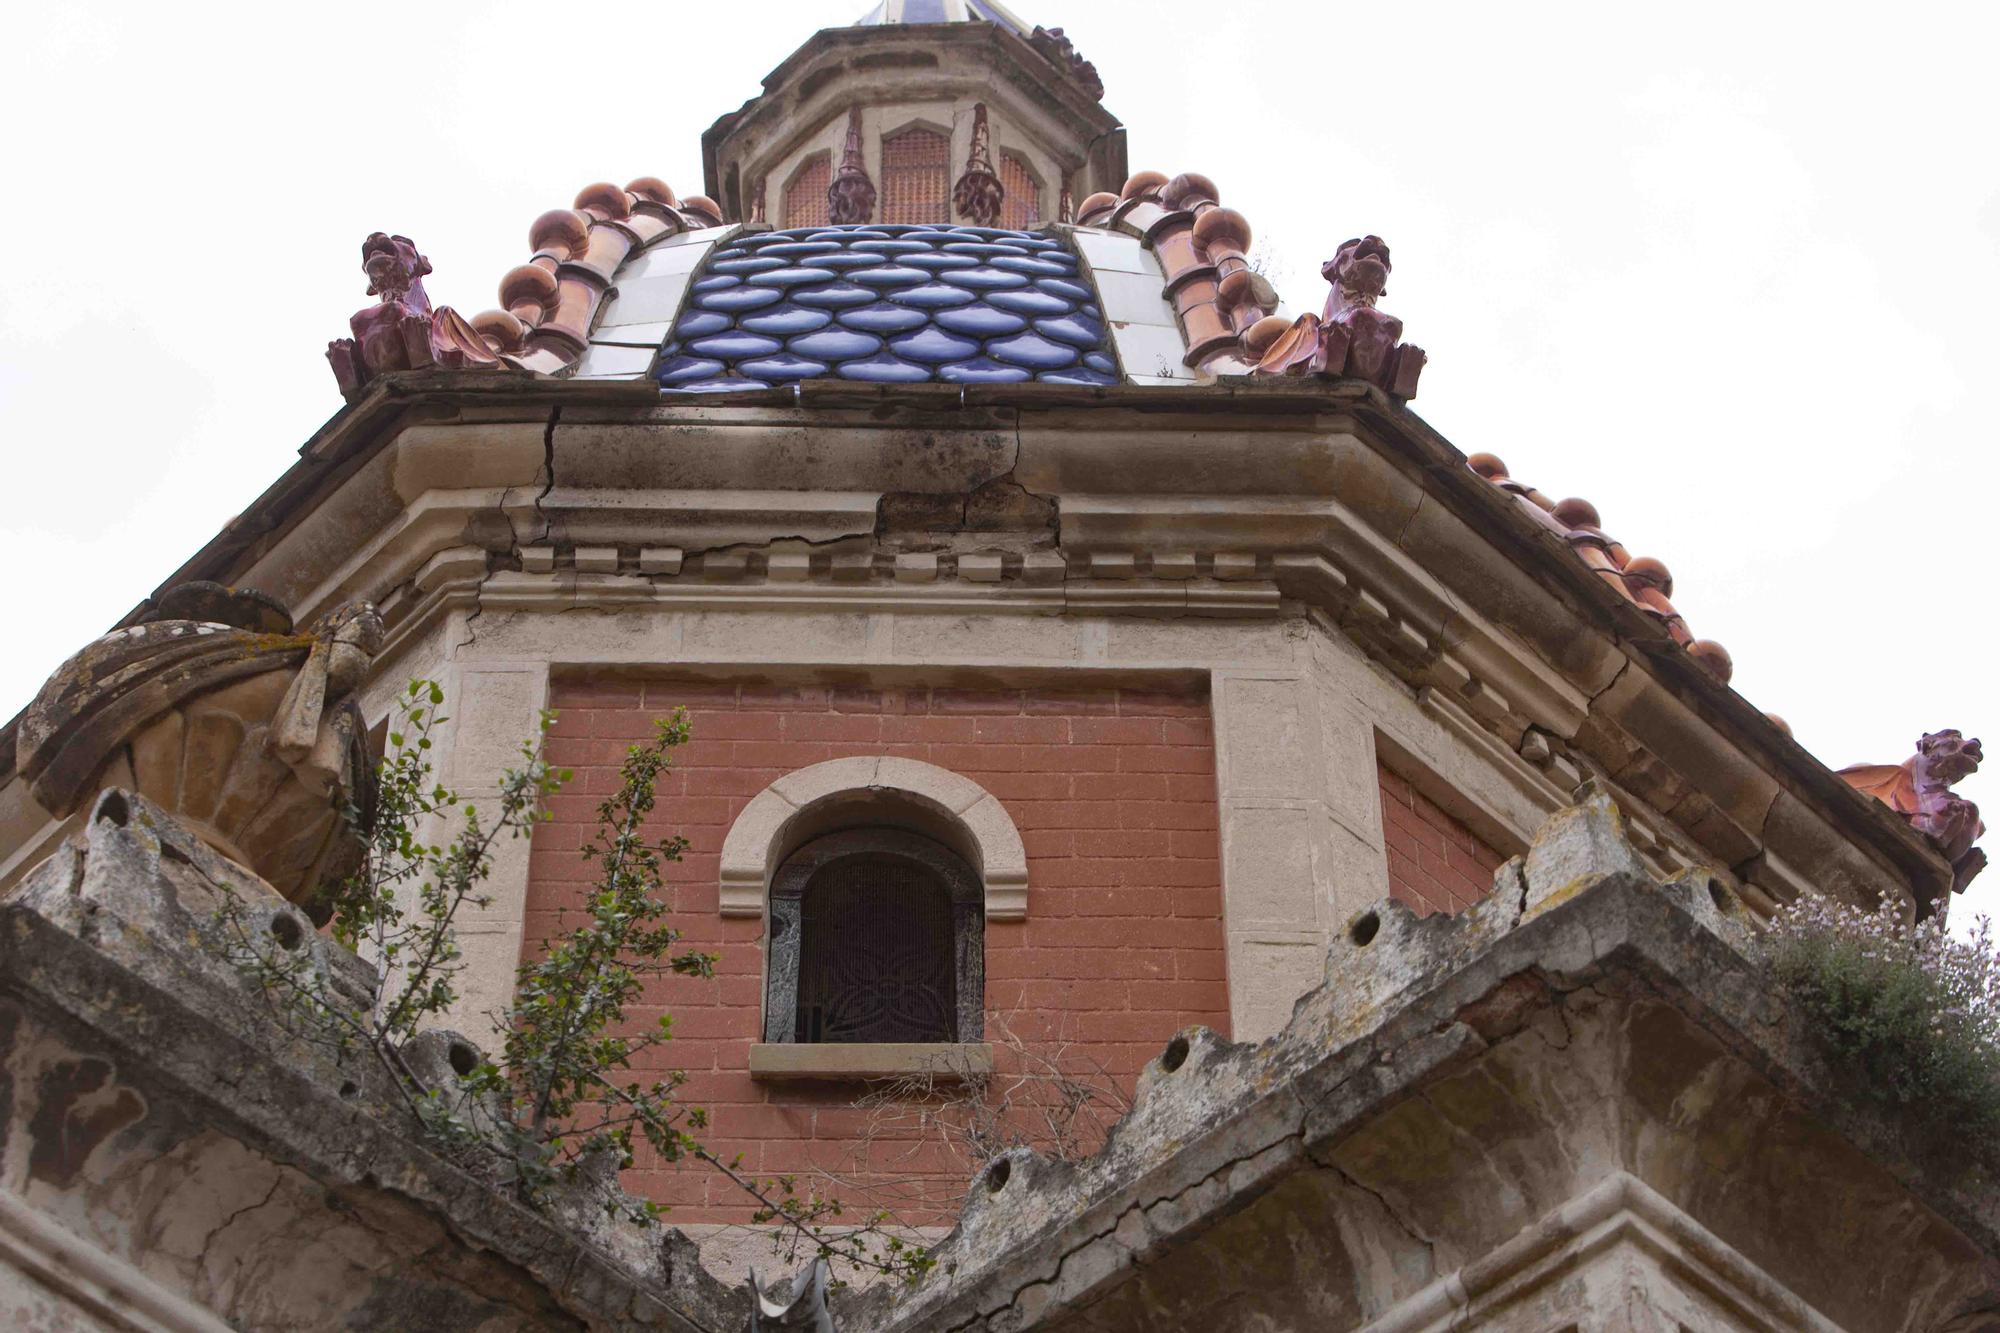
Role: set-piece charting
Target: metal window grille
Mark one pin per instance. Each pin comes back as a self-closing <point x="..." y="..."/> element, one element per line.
<point x="1021" y="200"/>
<point x="876" y="934"/>
<point x="875" y="960"/>
<point x="805" y="198"/>
<point x="916" y="177"/>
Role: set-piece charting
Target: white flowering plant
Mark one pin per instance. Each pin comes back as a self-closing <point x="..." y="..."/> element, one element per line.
<point x="1910" y="1007"/>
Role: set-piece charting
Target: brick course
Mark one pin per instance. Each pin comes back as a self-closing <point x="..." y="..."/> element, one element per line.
<point x="1436" y="864"/>
<point x="1113" y="792"/>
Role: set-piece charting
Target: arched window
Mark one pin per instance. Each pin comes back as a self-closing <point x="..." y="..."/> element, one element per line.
<point x="877" y="935"/>
<point x="805" y="202"/>
<point x="1021" y="199"/>
<point x="916" y="176"/>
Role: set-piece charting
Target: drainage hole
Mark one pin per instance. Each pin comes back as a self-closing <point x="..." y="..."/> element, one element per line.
<point x="287" y="932"/>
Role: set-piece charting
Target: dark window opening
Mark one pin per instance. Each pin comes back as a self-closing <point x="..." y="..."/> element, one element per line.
<point x="877" y="935"/>
<point x="875" y="958"/>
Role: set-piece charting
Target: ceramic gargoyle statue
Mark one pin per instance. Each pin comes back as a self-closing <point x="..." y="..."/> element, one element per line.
<point x="216" y="711"/>
<point x="401" y="331"/>
<point x="1918" y="789"/>
<point x="1351" y="338"/>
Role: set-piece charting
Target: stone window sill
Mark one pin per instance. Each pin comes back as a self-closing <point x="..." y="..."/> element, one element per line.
<point x="946" y="1061"/>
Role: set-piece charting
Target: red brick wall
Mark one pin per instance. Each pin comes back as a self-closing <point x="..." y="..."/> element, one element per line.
<point x="1114" y="795"/>
<point x="1436" y="864"/>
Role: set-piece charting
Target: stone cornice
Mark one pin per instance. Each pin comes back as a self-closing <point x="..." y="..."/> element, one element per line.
<point x="1221" y="500"/>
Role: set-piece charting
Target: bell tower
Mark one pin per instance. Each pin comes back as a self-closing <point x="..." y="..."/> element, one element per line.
<point x="924" y="111"/>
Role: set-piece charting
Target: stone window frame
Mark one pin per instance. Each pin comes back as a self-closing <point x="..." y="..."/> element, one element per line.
<point x="786" y="933"/>
<point x="874" y="790"/>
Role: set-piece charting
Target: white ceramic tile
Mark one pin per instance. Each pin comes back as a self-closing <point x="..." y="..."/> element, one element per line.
<point x="663" y="260"/>
<point x="632" y="335"/>
<point x="1108" y="252"/>
<point x="609" y="361"/>
<point x="645" y="300"/>
<point x="699" y="236"/>
<point x="1149" y="352"/>
<point x="1134" y="298"/>
<point x="1170" y="381"/>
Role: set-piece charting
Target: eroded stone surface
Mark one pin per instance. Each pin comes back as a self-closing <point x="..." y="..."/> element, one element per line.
<point x="160" y="1130"/>
<point x="1578" y="1105"/>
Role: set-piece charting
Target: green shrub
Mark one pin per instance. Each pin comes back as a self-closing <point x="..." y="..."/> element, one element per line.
<point x="1911" y="1010"/>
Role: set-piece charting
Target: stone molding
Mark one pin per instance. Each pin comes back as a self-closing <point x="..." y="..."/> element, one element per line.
<point x="92" y="1280"/>
<point x="945" y="1061"/>
<point x="758" y="840"/>
<point x="1620" y="1209"/>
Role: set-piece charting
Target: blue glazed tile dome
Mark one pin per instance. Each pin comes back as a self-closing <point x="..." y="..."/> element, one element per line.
<point x="888" y="305"/>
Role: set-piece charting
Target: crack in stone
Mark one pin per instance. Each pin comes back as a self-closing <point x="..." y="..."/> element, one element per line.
<point x="1140" y="1208"/>
<point x="1407" y="1227"/>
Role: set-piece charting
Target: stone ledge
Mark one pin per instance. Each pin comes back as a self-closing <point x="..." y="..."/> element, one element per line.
<point x="947" y="1061"/>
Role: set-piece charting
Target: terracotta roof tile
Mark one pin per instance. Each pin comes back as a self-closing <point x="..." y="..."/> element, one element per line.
<point x="1642" y="580"/>
<point x="549" y="304"/>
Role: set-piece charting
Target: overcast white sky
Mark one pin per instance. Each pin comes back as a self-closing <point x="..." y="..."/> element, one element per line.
<point x="1732" y="272"/>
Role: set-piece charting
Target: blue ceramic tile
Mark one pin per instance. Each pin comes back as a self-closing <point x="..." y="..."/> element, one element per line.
<point x="738" y="298"/>
<point x="984" y="279"/>
<point x="1034" y="268"/>
<point x="715" y="386"/>
<point x="834" y="345"/>
<point x="937" y="261"/>
<point x="1072" y="329"/>
<point x="801" y="249"/>
<point x="983" y="248"/>
<point x="892" y="275"/>
<point x="837" y="297"/>
<point x="979" y="321"/>
<point x="735" y="346"/>
<point x="932" y="346"/>
<point x="745" y="264"/>
<point x="1077" y="376"/>
<point x="1034" y="351"/>
<point x="792" y="277"/>
<point x="683" y="368"/>
<point x="954" y="303"/>
<point x="982" y="371"/>
<point x="782" y="367"/>
<point x="884" y="318"/>
<point x="1030" y="303"/>
<point x="884" y="370"/>
<point x="933" y="296"/>
<point x="1063" y="287"/>
<point x="781" y="323"/>
<point x="700" y="324"/>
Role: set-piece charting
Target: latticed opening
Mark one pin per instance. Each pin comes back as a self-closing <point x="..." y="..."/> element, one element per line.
<point x="876" y="954"/>
<point x="805" y="203"/>
<point x="1021" y="205"/>
<point x="916" y="176"/>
